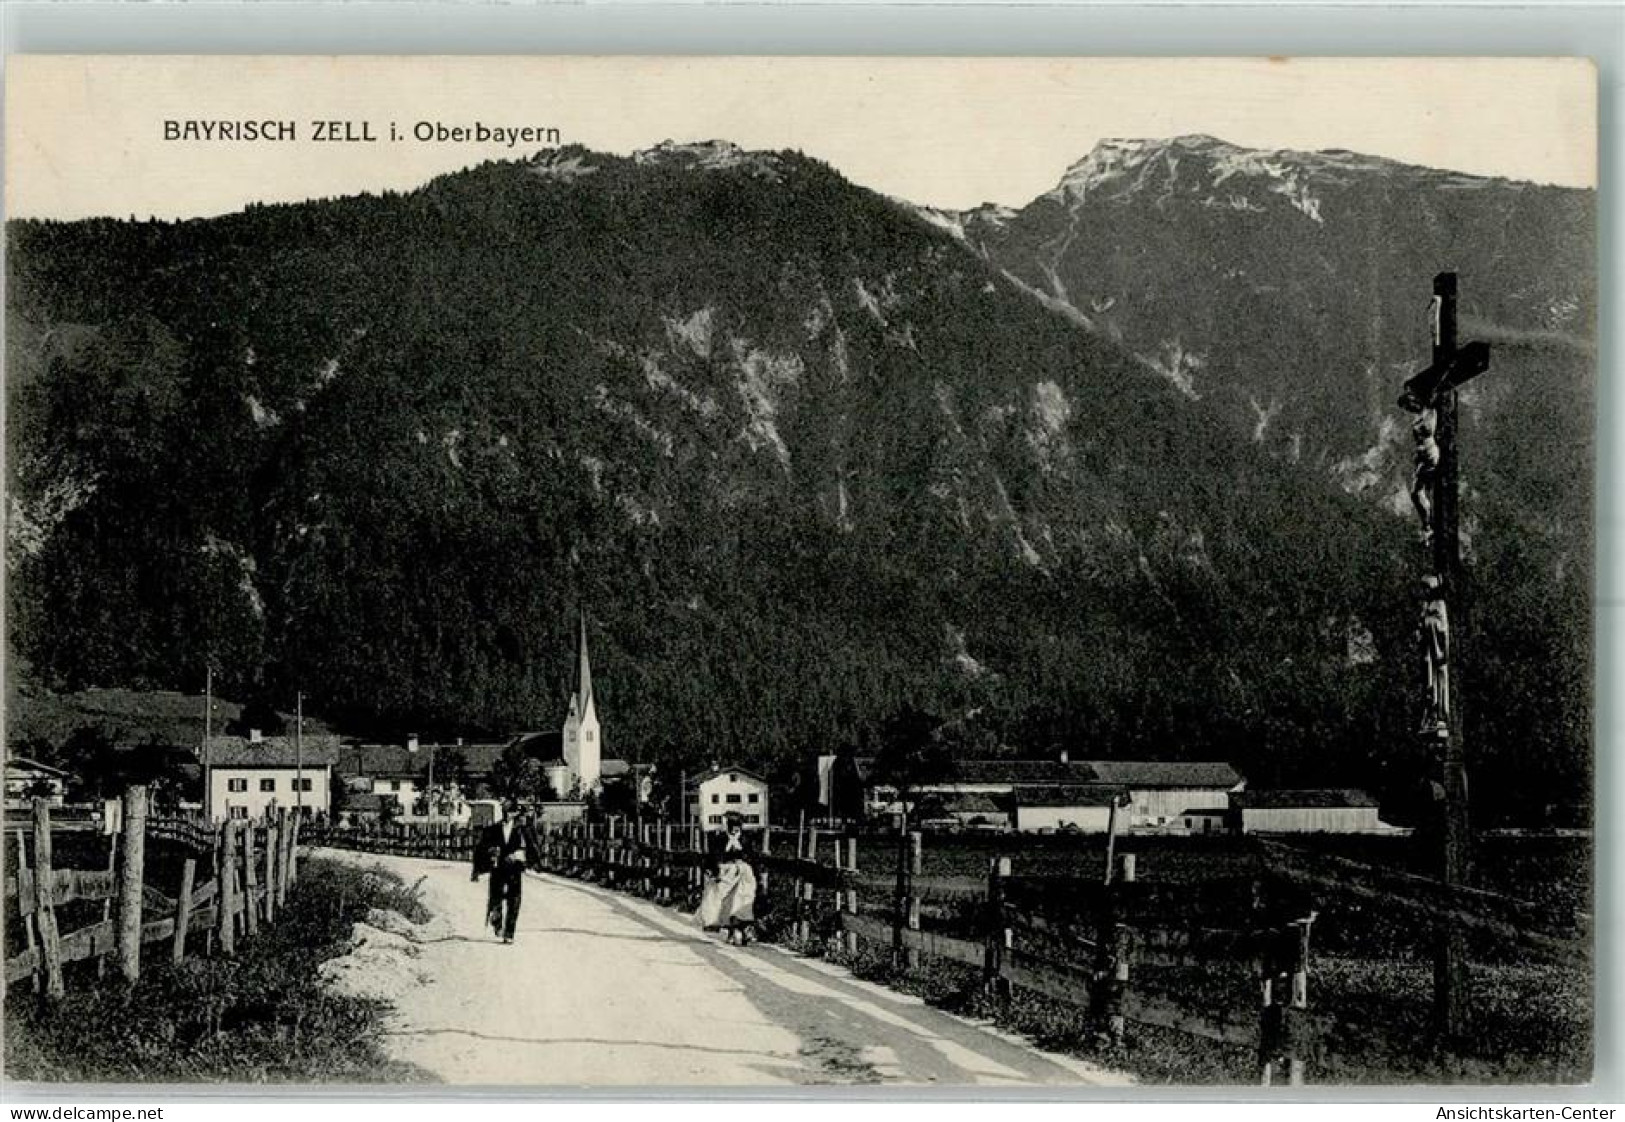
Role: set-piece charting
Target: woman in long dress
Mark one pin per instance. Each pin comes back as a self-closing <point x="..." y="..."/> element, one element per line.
<point x="729" y="898"/>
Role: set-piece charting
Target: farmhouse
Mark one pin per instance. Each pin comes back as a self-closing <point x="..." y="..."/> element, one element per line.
<point x="28" y="779"/>
<point x="714" y="794"/>
<point x="1163" y="794"/>
<point x="1308" y="811"/>
<point x="401" y="772"/>
<point x="1174" y="796"/>
<point x="1087" y="809"/>
<point x="243" y="776"/>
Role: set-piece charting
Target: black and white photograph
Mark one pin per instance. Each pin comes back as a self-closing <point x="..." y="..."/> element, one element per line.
<point x="661" y="572"/>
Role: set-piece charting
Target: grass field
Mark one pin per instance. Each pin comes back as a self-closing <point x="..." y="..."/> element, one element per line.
<point x="260" y="1017"/>
<point x="1371" y="964"/>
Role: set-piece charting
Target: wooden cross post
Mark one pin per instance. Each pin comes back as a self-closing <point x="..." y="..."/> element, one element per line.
<point x="1431" y="396"/>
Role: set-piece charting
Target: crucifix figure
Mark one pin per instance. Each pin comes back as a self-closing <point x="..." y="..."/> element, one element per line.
<point x="1436" y="654"/>
<point x="1426" y="475"/>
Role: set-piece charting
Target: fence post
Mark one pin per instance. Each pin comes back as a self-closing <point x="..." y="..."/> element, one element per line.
<point x="284" y="832"/>
<point x="1117" y="941"/>
<point x="1295" y="1014"/>
<point x="183" y="910"/>
<point x="270" y="869"/>
<point x="50" y="950"/>
<point x="228" y="887"/>
<point x="916" y="862"/>
<point x="851" y="892"/>
<point x="999" y="935"/>
<point x="293" y="850"/>
<point x="1269" y="1012"/>
<point x="26" y="885"/>
<point x="107" y="905"/>
<point x="132" y="870"/>
<point x="251" y="881"/>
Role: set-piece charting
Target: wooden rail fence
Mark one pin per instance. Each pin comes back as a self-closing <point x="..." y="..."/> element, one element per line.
<point x="237" y="875"/>
<point x="1078" y="940"/>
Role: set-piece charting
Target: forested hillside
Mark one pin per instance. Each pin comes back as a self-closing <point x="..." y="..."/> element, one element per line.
<point x="803" y="458"/>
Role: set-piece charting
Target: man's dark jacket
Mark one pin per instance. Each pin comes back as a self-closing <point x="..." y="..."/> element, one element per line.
<point x="491" y="854"/>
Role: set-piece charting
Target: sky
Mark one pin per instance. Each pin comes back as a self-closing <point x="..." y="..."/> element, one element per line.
<point x="85" y="135"/>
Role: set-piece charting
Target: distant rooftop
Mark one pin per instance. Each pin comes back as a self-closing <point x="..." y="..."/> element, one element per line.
<point x="1309" y="799"/>
<point x="272" y="751"/>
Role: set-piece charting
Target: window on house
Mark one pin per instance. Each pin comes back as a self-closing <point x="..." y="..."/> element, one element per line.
<point x="268" y="785"/>
<point x="589" y="734"/>
<point x="716" y="819"/>
<point x="752" y="818"/>
<point x="716" y="798"/>
<point x="733" y="798"/>
<point x="237" y="811"/>
<point x="753" y="797"/>
<point x="733" y="778"/>
<point x="236" y="784"/>
<point x="304" y="784"/>
<point x="394" y="784"/>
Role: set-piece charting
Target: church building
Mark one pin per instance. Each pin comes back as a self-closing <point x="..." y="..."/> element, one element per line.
<point x="583" y="749"/>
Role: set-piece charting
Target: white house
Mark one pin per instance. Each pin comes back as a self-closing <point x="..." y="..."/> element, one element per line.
<point x="1086" y="809"/>
<point x="1164" y="794"/>
<point x="25" y="779"/>
<point x="1307" y="811"/>
<point x="242" y="777"/>
<point x="714" y="794"/>
<point x="1173" y="796"/>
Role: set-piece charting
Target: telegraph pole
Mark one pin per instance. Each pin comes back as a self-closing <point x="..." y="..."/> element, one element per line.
<point x="299" y="755"/>
<point x="1431" y="395"/>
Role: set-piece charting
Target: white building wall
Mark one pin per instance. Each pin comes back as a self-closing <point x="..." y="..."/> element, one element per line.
<point x="1089" y="819"/>
<point x="727" y="791"/>
<point x="1163" y="807"/>
<point x="254" y="798"/>
<point x="1311" y="820"/>
<point x="403" y="791"/>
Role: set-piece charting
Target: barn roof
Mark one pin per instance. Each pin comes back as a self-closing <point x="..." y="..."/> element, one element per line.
<point x="1308" y="799"/>
<point x="1165" y="773"/>
<point x="393" y="761"/>
<point x="272" y="751"/>
<point x="1081" y="773"/>
<point x="1014" y="773"/>
<point x="1068" y="796"/>
<point x="22" y="764"/>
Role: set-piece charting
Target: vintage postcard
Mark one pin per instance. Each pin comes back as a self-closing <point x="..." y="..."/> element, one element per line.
<point x="748" y="572"/>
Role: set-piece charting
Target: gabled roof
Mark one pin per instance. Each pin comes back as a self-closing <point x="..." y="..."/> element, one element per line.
<point x="23" y="763"/>
<point x="1015" y="773"/>
<point x="1069" y="796"/>
<point x="730" y="769"/>
<point x="272" y="751"/>
<point x="1079" y="773"/>
<point x="1307" y="799"/>
<point x="1165" y="773"/>
<point x="393" y="761"/>
<point x="975" y="803"/>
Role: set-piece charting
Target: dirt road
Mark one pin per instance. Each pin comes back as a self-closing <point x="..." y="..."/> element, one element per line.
<point x="602" y="989"/>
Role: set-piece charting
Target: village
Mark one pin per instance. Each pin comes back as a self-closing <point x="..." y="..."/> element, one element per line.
<point x="562" y="776"/>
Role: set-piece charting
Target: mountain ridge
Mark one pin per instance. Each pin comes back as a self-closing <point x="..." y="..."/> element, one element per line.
<point x="808" y="459"/>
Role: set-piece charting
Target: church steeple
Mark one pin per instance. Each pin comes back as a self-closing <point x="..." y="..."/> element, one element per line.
<point x="583" y="750"/>
<point x="583" y="670"/>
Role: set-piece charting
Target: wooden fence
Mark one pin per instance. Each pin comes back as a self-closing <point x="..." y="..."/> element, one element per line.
<point x="1079" y="940"/>
<point x="823" y="888"/>
<point x="236" y="876"/>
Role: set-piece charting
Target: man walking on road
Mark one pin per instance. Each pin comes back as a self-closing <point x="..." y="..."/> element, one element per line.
<point x="502" y="852"/>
